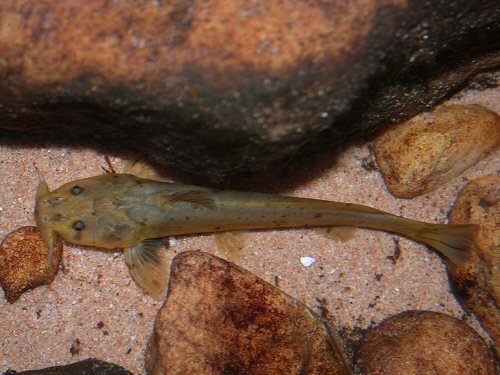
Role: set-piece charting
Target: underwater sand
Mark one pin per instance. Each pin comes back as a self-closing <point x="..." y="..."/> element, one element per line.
<point x="95" y="303"/>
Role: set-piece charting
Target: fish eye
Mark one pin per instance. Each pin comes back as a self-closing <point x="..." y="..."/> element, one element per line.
<point x="75" y="190"/>
<point x="78" y="225"/>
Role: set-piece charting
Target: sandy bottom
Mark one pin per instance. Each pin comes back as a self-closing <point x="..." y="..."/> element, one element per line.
<point x="95" y="303"/>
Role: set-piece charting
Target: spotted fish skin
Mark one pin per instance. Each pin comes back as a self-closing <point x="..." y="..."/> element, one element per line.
<point x="123" y="211"/>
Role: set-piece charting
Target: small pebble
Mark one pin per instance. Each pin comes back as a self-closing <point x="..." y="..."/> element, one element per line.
<point x="307" y="261"/>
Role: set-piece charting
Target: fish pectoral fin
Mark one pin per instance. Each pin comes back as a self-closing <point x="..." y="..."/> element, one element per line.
<point x="199" y="197"/>
<point x="231" y="244"/>
<point x="143" y="169"/>
<point x="339" y="234"/>
<point x="148" y="266"/>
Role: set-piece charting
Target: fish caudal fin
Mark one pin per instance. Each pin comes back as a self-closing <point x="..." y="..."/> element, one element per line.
<point x="148" y="267"/>
<point x="454" y="241"/>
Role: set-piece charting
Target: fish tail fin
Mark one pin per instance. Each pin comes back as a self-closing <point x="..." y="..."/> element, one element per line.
<point x="454" y="241"/>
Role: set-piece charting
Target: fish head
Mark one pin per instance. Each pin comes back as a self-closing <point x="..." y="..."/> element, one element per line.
<point x="81" y="212"/>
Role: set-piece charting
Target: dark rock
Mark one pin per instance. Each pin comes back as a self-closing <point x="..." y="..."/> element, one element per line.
<point x="218" y="89"/>
<point x="86" y="367"/>
<point x="221" y="319"/>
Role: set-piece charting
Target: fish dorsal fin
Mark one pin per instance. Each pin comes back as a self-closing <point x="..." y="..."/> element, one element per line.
<point x="340" y="234"/>
<point x="199" y="197"/>
<point x="148" y="267"/>
<point x="231" y="244"/>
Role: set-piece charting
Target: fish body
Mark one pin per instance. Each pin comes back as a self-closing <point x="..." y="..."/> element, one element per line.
<point x="125" y="211"/>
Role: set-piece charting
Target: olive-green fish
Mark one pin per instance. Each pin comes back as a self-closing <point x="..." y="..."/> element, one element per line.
<point x="124" y="211"/>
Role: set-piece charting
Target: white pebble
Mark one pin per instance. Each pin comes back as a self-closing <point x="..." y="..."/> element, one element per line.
<point x="307" y="261"/>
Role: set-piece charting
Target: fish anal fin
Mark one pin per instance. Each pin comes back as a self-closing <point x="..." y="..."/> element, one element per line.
<point x="199" y="197"/>
<point x="148" y="266"/>
<point x="231" y="244"/>
<point x="340" y="234"/>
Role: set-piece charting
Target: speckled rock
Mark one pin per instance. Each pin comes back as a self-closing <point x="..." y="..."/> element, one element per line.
<point x="429" y="150"/>
<point x="218" y="88"/>
<point x="424" y="342"/>
<point x="89" y="366"/>
<point x="477" y="282"/>
<point x="219" y="318"/>
<point x="23" y="262"/>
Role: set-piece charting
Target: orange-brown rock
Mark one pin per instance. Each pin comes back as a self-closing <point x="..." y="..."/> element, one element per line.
<point x="219" y="88"/>
<point x="424" y="342"/>
<point x="219" y="318"/>
<point x="429" y="150"/>
<point x="23" y="262"/>
<point x="477" y="282"/>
